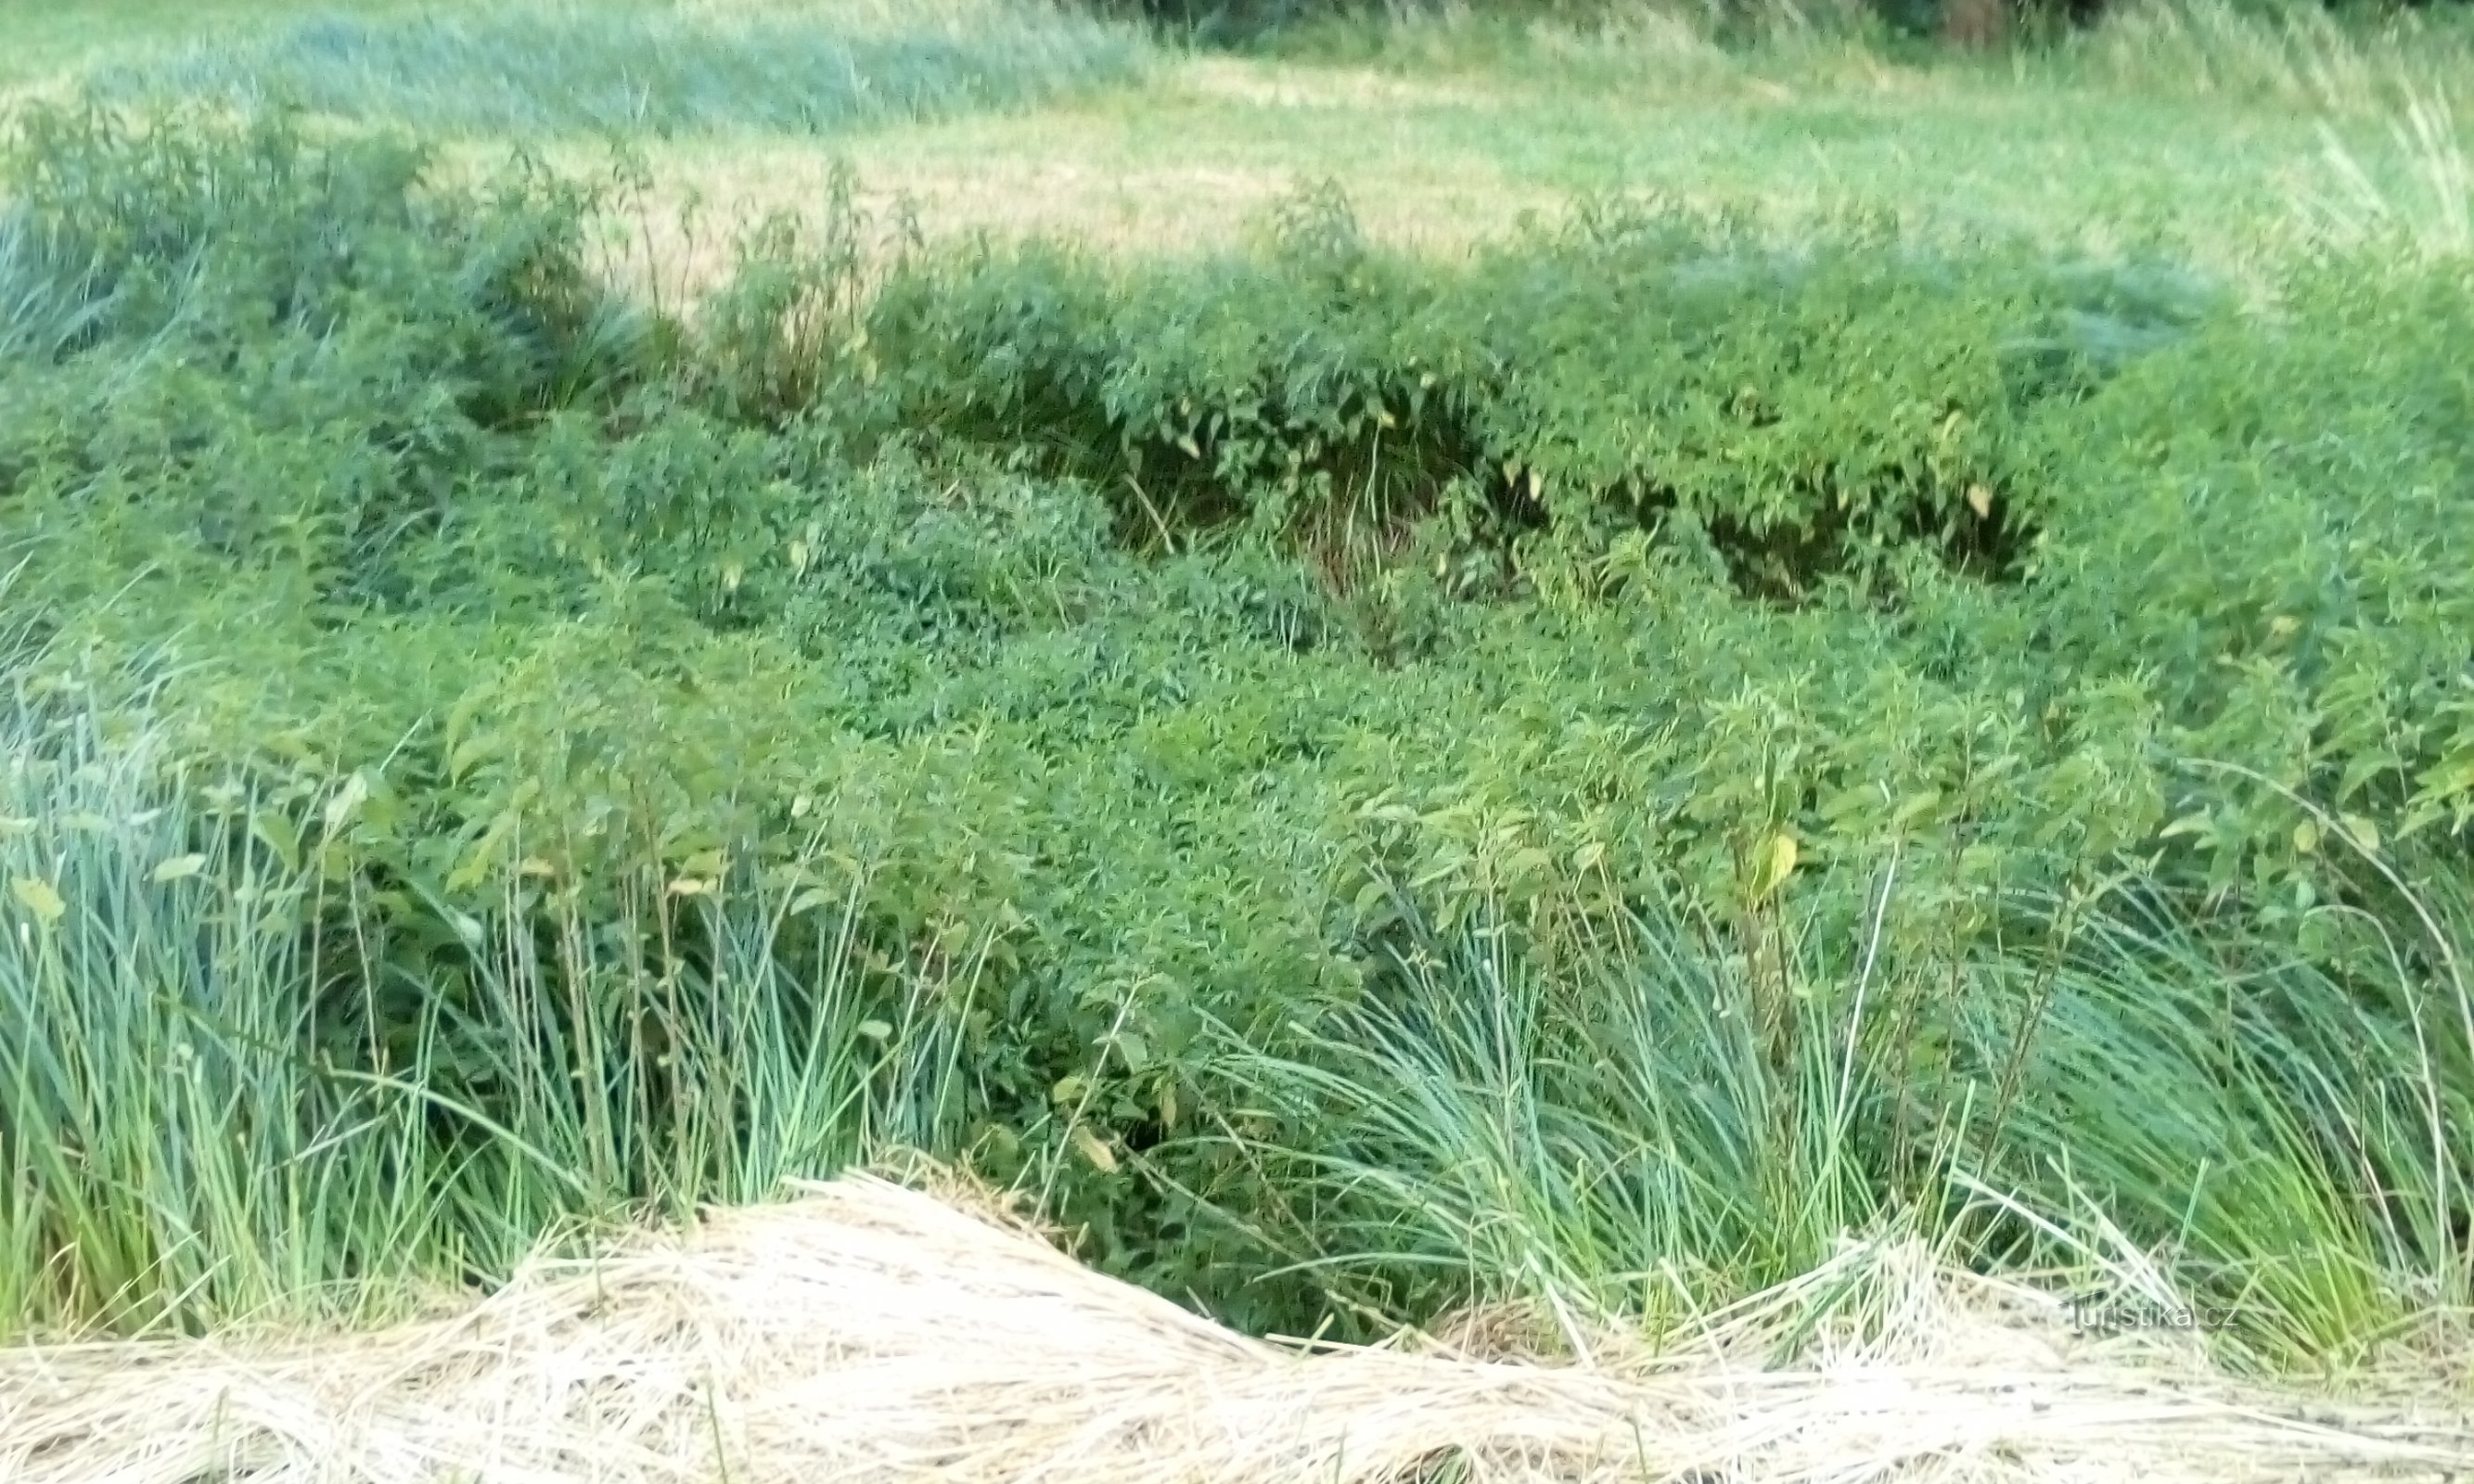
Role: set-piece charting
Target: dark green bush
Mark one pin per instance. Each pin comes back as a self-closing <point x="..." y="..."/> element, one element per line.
<point x="1804" y="418"/>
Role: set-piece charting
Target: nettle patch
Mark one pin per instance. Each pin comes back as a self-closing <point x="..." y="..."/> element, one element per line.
<point x="1800" y="419"/>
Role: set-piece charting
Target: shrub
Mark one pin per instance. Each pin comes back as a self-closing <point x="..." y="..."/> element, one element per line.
<point x="1806" y="417"/>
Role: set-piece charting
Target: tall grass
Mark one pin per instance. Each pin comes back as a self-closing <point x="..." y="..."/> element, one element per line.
<point x="200" y="1117"/>
<point x="2241" y="54"/>
<point x="1674" y="1126"/>
<point x="2291" y="54"/>
<point x="1620" y="45"/>
<point x="2425" y="199"/>
<point x="533" y="69"/>
<point x="43" y="308"/>
<point x="170" y="1141"/>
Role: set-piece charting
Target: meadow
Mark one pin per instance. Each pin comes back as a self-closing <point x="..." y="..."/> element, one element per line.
<point x="1434" y="664"/>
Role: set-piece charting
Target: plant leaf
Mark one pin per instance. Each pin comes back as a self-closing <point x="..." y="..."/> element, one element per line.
<point x="179" y="868"/>
<point x="1096" y="1150"/>
<point x="40" y="898"/>
<point x="1777" y="865"/>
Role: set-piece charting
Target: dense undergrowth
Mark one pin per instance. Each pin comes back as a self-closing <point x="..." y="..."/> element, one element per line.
<point x="1587" y="772"/>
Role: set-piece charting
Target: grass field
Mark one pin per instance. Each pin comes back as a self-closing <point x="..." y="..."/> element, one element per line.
<point x="1441" y="133"/>
<point x="1442" y="663"/>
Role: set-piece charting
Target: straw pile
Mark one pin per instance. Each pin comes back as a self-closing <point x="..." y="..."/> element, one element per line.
<point x="866" y="1332"/>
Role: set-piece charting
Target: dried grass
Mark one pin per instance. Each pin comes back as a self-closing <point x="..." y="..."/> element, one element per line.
<point x="869" y="1332"/>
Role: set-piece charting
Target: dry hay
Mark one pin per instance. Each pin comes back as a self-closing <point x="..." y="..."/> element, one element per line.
<point x="869" y="1332"/>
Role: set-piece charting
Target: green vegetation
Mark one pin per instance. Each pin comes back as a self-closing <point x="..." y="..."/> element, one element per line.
<point x="649" y="70"/>
<point x="1579" y="774"/>
<point x="44" y="39"/>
